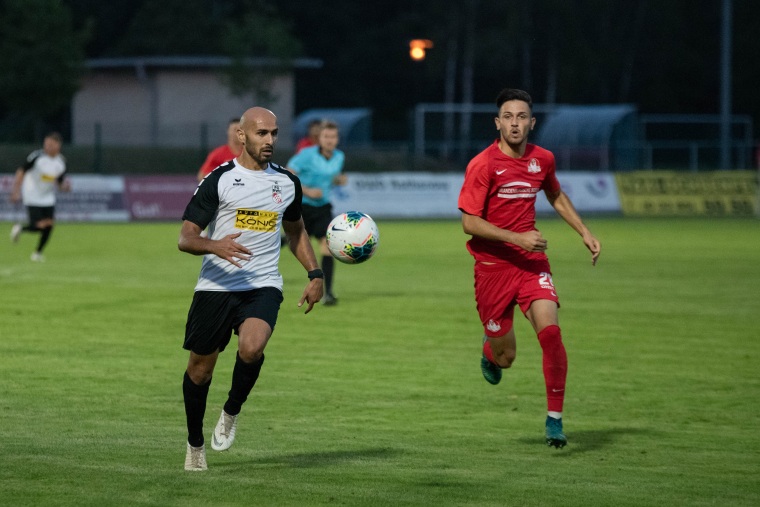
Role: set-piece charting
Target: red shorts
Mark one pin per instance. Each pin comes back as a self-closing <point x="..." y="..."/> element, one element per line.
<point x="499" y="287"/>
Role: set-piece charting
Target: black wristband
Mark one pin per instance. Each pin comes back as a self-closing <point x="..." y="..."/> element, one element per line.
<point x="316" y="273"/>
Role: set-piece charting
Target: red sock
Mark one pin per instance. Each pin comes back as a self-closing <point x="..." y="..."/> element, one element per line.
<point x="555" y="366"/>
<point x="488" y="352"/>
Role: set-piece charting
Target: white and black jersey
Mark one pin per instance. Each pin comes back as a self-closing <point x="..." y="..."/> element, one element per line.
<point x="234" y="199"/>
<point x="42" y="173"/>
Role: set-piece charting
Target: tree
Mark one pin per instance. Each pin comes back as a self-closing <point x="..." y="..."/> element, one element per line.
<point x="172" y="27"/>
<point x="106" y="22"/>
<point x="259" y="33"/>
<point x="41" y="57"/>
<point x="241" y="29"/>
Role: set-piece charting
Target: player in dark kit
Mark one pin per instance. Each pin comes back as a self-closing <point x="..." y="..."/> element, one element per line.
<point x="244" y="203"/>
<point x="497" y="201"/>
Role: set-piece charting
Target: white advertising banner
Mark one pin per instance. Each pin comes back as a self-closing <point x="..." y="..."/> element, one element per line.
<point x="433" y="195"/>
<point x="591" y="192"/>
<point x="400" y="195"/>
<point x="93" y="198"/>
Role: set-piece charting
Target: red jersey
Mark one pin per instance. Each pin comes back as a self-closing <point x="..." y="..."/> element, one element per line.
<point x="217" y="157"/>
<point x="502" y="190"/>
<point x="304" y="142"/>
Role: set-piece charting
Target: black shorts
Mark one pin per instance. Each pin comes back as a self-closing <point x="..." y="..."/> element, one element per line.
<point x="213" y="316"/>
<point x="316" y="219"/>
<point x="37" y="213"/>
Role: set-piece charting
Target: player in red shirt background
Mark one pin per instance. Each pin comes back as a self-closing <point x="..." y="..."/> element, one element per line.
<point x="312" y="135"/>
<point x="223" y="153"/>
<point x="497" y="201"/>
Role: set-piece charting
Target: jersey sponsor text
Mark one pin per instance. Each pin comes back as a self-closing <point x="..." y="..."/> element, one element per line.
<point x="518" y="190"/>
<point x="256" y="220"/>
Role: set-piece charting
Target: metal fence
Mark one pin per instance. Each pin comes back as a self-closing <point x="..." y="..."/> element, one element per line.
<point x="675" y="142"/>
<point x="444" y="138"/>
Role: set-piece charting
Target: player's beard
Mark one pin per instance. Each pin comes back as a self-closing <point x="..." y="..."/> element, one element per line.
<point x="259" y="155"/>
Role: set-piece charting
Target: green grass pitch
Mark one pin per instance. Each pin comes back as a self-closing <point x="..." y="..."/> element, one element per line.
<point x="380" y="400"/>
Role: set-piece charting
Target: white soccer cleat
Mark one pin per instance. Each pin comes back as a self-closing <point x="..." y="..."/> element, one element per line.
<point x="195" y="459"/>
<point x="224" y="433"/>
<point x="37" y="257"/>
<point x="16" y="232"/>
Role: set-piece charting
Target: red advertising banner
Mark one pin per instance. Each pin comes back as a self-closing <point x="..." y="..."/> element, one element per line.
<point x="158" y="197"/>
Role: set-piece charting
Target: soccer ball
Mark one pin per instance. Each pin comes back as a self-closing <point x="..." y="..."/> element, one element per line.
<point x="352" y="237"/>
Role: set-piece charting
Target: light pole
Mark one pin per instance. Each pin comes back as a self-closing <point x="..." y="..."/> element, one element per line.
<point x="725" y="86"/>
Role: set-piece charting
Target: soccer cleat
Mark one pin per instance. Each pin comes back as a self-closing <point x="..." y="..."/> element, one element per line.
<point x="195" y="459"/>
<point x="329" y="300"/>
<point x="16" y="232"/>
<point x="224" y="433"/>
<point x="554" y="435"/>
<point x="491" y="372"/>
<point x="37" y="257"/>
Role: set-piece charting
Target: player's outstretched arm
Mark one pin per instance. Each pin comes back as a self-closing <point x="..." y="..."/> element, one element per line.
<point x="191" y="241"/>
<point x="300" y="245"/>
<point x="564" y="207"/>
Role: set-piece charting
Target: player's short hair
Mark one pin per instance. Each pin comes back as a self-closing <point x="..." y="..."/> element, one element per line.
<point x="56" y="136"/>
<point x="329" y="124"/>
<point x="314" y="127"/>
<point x="233" y="120"/>
<point x="508" y="94"/>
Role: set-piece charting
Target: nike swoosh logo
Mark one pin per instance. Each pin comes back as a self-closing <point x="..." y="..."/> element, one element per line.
<point x="337" y="229"/>
<point x="557" y="390"/>
<point x="501" y="172"/>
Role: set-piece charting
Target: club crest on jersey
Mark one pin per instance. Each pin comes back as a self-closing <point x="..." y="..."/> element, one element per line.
<point x="493" y="326"/>
<point x="533" y="166"/>
<point x="276" y="193"/>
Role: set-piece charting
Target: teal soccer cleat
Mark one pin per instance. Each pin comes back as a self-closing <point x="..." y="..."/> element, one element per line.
<point x="554" y="435"/>
<point x="491" y="372"/>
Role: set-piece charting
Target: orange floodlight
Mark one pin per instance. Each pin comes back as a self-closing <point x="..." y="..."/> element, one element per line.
<point x="417" y="48"/>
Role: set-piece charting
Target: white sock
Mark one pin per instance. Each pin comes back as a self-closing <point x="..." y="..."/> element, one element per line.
<point x="555" y="415"/>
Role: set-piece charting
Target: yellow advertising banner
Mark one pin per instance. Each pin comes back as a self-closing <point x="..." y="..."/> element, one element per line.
<point x="671" y="193"/>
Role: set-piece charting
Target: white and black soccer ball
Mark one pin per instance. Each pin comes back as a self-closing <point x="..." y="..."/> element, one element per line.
<point x="352" y="237"/>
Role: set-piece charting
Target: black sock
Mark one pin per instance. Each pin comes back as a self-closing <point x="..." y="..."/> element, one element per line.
<point x="44" y="238"/>
<point x="195" y="408"/>
<point x="244" y="376"/>
<point x="30" y="228"/>
<point x="327" y="269"/>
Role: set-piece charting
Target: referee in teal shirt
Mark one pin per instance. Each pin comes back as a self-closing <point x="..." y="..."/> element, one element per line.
<point x="320" y="168"/>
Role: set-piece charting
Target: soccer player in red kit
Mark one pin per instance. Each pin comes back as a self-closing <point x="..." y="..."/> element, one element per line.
<point x="223" y="153"/>
<point x="497" y="202"/>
